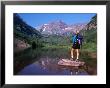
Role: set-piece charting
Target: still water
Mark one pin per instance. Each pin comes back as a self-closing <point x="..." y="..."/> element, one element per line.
<point x="45" y="62"/>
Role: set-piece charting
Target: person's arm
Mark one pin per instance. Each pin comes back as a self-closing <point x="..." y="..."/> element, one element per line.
<point x="81" y="39"/>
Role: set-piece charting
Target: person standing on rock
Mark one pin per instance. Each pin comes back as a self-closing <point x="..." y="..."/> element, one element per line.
<point x="77" y="42"/>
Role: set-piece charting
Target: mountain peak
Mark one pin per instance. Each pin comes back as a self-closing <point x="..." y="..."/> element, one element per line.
<point x="59" y="27"/>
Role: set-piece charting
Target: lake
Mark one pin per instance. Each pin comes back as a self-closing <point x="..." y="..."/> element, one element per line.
<point x="44" y="61"/>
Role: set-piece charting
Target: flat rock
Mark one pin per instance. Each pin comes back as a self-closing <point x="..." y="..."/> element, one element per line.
<point x="66" y="62"/>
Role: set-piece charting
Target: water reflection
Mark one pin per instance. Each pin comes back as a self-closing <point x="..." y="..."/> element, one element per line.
<point x="47" y="66"/>
<point x="42" y="62"/>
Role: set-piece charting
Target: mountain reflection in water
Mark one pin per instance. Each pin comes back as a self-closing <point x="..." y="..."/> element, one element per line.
<point x="47" y="66"/>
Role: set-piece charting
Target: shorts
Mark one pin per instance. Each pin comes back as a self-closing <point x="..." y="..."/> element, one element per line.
<point x="76" y="46"/>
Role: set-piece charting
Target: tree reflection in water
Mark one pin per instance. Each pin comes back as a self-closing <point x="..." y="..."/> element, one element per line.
<point x="49" y="66"/>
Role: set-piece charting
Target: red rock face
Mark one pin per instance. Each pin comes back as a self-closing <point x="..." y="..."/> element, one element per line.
<point x="20" y="45"/>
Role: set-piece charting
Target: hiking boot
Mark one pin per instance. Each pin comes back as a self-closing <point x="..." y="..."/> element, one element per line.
<point x="71" y="59"/>
<point x="77" y="60"/>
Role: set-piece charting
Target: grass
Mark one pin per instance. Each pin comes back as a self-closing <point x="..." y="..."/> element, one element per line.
<point x="90" y="47"/>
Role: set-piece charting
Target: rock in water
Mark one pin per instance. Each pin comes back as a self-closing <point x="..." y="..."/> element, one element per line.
<point x="66" y="62"/>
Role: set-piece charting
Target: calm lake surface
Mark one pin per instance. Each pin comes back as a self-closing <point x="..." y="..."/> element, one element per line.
<point x="44" y="62"/>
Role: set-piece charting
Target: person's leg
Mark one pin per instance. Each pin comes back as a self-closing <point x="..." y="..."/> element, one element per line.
<point x="72" y="52"/>
<point x="77" y="52"/>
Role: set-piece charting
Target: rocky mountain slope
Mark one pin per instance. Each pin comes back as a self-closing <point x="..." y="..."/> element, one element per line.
<point x="60" y="28"/>
<point x="90" y="30"/>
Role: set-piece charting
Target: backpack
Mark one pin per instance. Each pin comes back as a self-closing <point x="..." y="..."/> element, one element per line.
<point x="76" y="39"/>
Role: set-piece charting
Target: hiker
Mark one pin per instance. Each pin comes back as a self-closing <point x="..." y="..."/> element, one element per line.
<point x="77" y="42"/>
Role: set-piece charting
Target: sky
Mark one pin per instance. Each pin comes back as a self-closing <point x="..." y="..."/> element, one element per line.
<point x="37" y="19"/>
